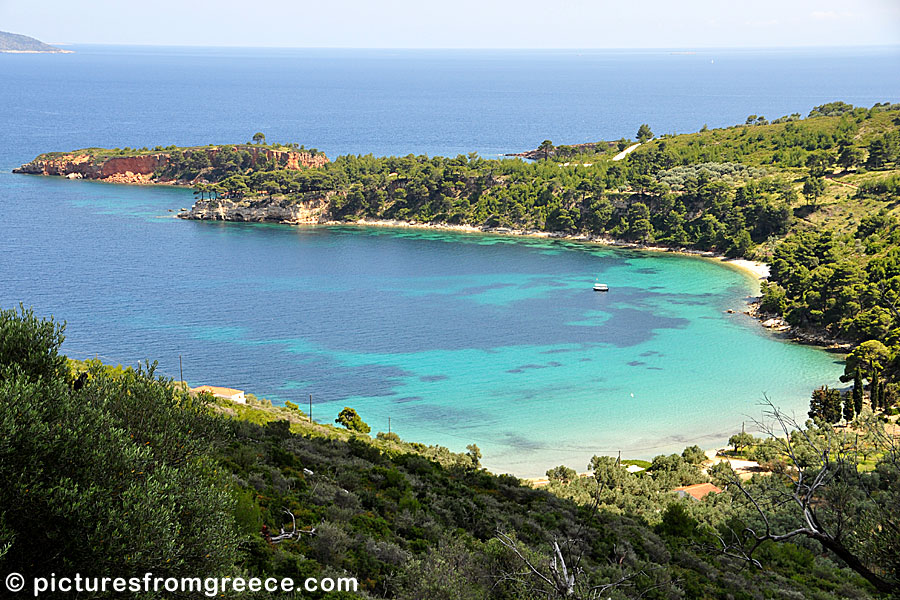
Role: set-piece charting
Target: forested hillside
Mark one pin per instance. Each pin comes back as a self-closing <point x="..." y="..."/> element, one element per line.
<point x="726" y="189"/>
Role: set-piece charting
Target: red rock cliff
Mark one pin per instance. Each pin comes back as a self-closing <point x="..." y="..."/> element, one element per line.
<point x="139" y="165"/>
<point x="128" y="169"/>
<point x="140" y="169"/>
<point x="291" y="159"/>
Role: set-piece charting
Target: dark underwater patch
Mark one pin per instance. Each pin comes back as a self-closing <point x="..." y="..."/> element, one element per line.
<point x="408" y="399"/>
<point x="429" y="378"/>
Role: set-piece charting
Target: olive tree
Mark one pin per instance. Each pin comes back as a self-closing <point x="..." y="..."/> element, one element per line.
<point x="114" y="478"/>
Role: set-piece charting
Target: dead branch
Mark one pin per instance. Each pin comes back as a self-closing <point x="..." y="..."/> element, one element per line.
<point x="294" y="533"/>
<point x="806" y="489"/>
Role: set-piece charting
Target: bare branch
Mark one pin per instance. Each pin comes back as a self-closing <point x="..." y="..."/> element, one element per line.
<point x="808" y="487"/>
<point x="294" y="533"/>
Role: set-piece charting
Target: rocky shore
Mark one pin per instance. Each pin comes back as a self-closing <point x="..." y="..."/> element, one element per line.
<point x="803" y="336"/>
<point x="309" y="211"/>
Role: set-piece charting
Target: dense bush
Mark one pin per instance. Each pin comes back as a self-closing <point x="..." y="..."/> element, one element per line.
<point x="112" y="479"/>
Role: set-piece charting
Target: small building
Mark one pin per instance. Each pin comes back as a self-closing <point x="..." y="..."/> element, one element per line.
<point x="697" y="491"/>
<point x="222" y="392"/>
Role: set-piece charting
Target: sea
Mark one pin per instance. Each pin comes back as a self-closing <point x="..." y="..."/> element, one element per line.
<point x="453" y="338"/>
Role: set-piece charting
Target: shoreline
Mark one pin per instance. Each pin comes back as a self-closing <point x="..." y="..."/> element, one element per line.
<point x="755" y="269"/>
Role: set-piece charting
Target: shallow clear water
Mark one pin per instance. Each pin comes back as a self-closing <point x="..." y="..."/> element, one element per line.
<point x="457" y="338"/>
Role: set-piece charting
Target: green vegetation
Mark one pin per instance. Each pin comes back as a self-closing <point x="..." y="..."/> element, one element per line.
<point x="644" y="134"/>
<point x="731" y="190"/>
<point x="211" y="162"/>
<point x="115" y="477"/>
<point x="120" y="472"/>
<point x="352" y="421"/>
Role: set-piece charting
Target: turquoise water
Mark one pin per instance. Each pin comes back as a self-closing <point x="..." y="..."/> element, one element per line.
<point x="458" y="338"/>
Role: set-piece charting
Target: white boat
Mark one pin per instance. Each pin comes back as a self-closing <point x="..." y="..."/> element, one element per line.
<point x="601" y="287"/>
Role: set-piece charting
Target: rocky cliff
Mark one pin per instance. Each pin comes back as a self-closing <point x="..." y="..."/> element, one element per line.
<point x="311" y="209"/>
<point x="127" y="169"/>
<point x="290" y="159"/>
<point x="142" y="168"/>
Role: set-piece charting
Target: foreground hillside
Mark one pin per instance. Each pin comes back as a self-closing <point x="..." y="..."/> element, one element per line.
<point x="115" y="472"/>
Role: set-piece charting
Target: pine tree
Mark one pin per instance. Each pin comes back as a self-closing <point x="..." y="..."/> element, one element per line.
<point x="848" y="407"/>
<point x="817" y="404"/>
<point x="825" y="404"/>
<point x="832" y="405"/>
<point x="857" y="392"/>
<point x="874" y="384"/>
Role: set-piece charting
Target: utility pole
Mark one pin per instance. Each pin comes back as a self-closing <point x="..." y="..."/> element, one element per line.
<point x="389" y="426"/>
<point x="310" y="408"/>
<point x="619" y="460"/>
<point x="181" y="369"/>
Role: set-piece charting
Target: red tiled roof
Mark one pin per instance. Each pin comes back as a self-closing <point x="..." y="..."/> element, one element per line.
<point x="217" y="391"/>
<point x="698" y="491"/>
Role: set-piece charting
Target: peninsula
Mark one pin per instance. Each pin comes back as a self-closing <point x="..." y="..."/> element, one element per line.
<point x="196" y="165"/>
<point x="16" y="43"/>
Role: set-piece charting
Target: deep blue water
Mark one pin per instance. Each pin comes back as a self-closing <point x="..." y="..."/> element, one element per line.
<point x="457" y="338"/>
<point x="398" y="102"/>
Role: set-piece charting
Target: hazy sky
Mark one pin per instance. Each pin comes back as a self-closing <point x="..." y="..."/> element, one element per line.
<point x="459" y="23"/>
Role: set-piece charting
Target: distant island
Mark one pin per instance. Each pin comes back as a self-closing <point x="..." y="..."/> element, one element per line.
<point x="16" y="43"/>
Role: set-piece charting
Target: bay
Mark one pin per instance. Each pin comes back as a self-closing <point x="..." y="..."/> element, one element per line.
<point x="458" y="338"/>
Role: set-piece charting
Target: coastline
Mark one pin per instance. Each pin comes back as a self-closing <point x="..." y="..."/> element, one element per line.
<point x="755" y="269"/>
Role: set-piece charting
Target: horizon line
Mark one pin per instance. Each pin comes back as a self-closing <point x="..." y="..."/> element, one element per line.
<point x="471" y="48"/>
